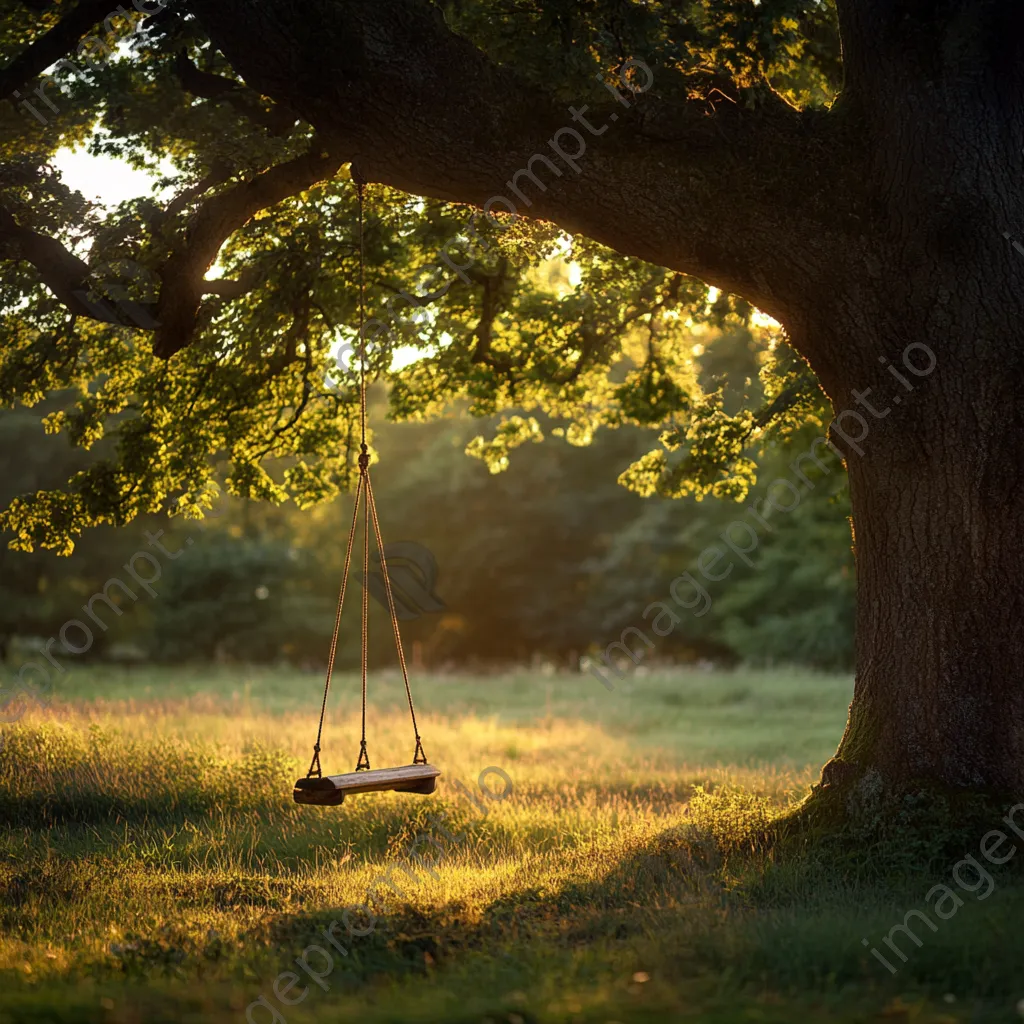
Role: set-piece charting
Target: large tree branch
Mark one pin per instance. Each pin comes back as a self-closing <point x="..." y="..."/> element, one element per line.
<point x="278" y="120"/>
<point x="183" y="275"/>
<point x="721" y="194"/>
<point x="217" y="175"/>
<point x="67" y="276"/>
<point x="52" y="45"/>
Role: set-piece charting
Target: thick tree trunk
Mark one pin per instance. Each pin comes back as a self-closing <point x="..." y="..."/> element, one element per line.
<point x="932" y="289"/>
<point x="936" y="469"/>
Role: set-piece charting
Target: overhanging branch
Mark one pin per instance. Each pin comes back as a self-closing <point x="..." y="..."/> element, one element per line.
<point x="182" y="276"/>
<point x="67" y="276"/>
<point x="719" y="194"/>
<point x="52" y="46"/>
<point x="175" y="315"/>
<point x="277" y="121"/>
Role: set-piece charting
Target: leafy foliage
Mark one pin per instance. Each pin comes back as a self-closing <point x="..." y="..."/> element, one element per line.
<point x="549" y="559"/>
<point x="540" y="325"/>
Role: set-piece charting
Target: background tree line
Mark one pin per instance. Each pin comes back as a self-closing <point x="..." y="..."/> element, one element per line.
<point x="549" y="559"/>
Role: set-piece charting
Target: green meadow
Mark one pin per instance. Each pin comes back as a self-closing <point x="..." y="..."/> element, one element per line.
<point x="154" y="868"/>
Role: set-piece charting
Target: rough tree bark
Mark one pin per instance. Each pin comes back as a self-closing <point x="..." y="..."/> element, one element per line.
<point x="872" y="232"/>
<point x="936" y="467"/>
<point x="937" y="485"/>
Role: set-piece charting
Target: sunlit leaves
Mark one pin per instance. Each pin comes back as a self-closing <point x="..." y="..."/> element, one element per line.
<point x="791" y="45"/>
<point x="650" y="395"/>
<point x="511" y="433"/>
<point x="498" y="317"/>
<point x="48" y="519"/>
<point x="706" y="457"/>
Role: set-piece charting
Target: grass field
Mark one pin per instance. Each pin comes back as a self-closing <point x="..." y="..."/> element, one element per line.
<point x="153" y="867"/>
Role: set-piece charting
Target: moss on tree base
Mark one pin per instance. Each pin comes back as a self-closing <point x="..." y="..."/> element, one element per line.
<point x="855" y="809"/>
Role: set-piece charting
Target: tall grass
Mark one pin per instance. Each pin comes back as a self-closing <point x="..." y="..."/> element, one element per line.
<point x="153" y="866"/>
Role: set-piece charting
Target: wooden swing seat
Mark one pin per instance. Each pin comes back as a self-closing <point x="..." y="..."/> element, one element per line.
<point x="331" y="790"/>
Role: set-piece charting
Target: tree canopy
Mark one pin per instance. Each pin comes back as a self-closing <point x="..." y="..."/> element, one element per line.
<point x="208" y="332"/>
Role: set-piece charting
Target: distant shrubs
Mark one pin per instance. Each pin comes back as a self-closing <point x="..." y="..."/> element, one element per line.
<point x="546" y="561"/>
<point x="239" y="600"/>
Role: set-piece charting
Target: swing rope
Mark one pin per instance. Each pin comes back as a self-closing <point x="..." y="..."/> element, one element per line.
<point x="418" y="757"/>
<point x="364" y="495"/>
<point x="314" y="768"/>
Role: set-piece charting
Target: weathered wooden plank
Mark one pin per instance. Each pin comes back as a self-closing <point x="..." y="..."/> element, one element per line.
<point x="332" y="789"/>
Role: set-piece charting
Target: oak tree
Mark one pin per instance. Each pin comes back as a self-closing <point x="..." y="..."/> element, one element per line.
<point x="844" y="176"/>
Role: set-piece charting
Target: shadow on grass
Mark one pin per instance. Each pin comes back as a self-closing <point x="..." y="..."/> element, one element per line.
<point x="733" y="907"/>
<point x="724" y="899"/>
